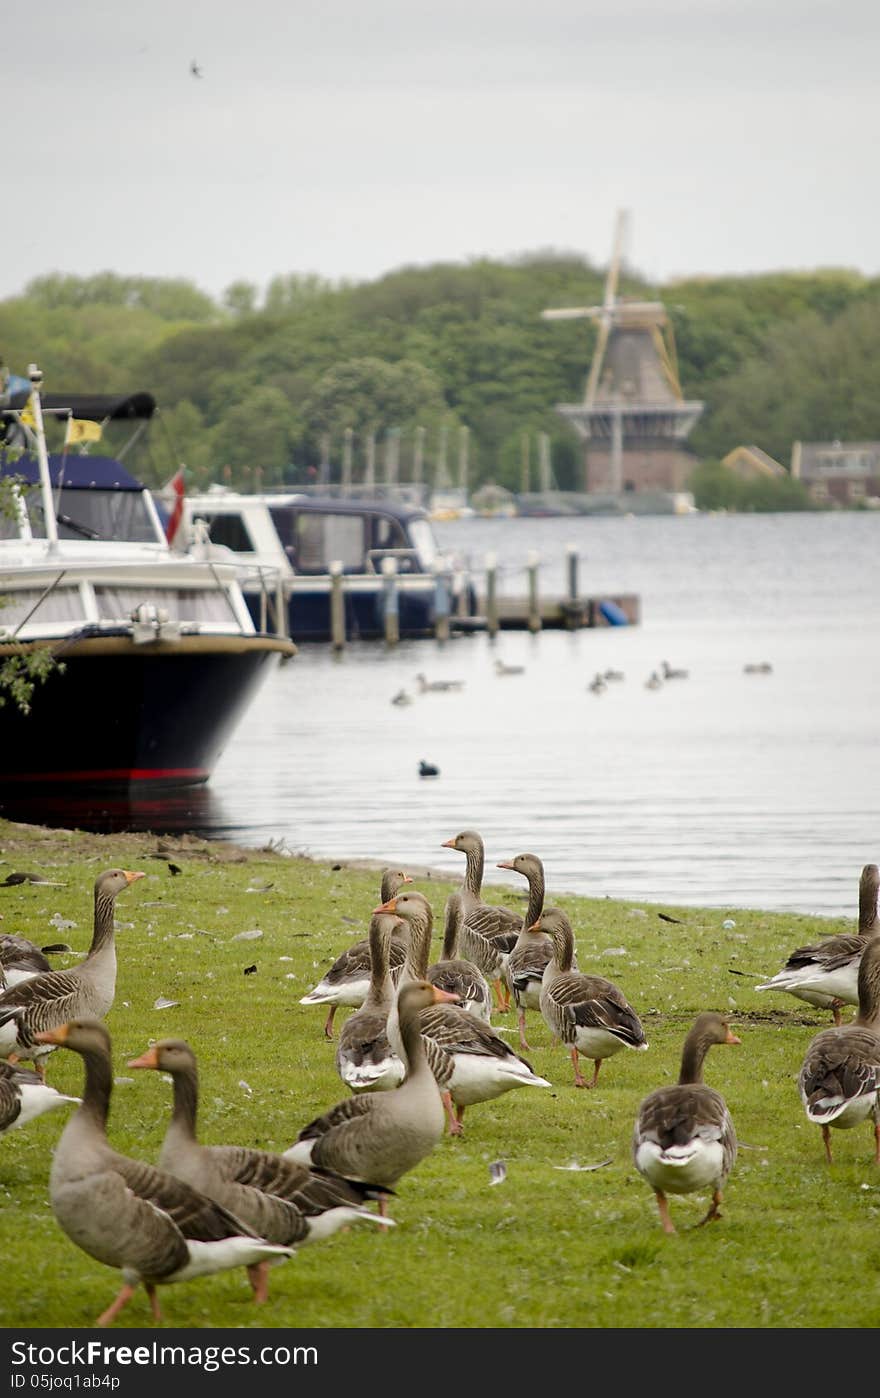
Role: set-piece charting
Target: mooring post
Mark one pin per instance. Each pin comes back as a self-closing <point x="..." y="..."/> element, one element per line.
<point x="390" y="601"/>
<point x="534" y="604"/>
<point x="337" y="605"/>
<point x="441" y="600"/>
<point x="491" y="594"/>
<point x="571" y="555"/>
<point x="282" y="626"/>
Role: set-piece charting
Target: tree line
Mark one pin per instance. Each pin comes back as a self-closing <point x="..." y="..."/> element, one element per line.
<point x="262" y="385"/>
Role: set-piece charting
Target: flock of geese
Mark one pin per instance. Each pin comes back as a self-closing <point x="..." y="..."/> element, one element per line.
<point x="418" y="1050"/>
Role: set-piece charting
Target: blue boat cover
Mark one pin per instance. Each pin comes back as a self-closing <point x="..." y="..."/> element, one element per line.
<point x="74" y="472"/>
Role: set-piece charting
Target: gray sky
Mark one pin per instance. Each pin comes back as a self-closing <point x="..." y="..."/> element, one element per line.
<point x="351" y="137"/>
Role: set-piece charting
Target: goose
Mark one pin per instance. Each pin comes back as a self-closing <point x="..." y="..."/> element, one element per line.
<point x="502" y="668"/>
<point x="761" y="667"/>
<point x="401" y="698"/>
<point x="598" y="684"/>
<point x="126" y="1213"/>
<point x="348" y="980"/>
<point x="20" y="960"/>
<point x="278" y="1199"/>
<point x="365" y="1060"/>
<point x="587" y="1012"/>
<point x="613" y="676"/>
<point x="683" y="1138"/>
<point x="55" y="997"/>
<point x="487" y="932"/>
<point x="24" y="1096"/>
<point x="428" y="769"/>
<point x="653" y="681"/>
<point x="376" y="1137"/>
<point x="459" y="977"/>
<point x="528" y="960"/>
<point x="826" y="974"/>
<point x="427" y="686"/>
<point x="471" y="1063"/>
<point x="839" y="1080"/>
<point x="671" y="674"/>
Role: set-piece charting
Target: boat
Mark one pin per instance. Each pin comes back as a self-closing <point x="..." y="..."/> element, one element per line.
<point x="304" y="537"/>
<point x="156" y="654"/>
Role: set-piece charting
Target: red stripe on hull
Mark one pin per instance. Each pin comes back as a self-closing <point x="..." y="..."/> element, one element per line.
<point x="114" y="774"/>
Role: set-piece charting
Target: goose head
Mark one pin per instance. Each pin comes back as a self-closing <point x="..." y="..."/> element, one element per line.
<point x="166" y="1056"/>
<point x="80" y="1035"/>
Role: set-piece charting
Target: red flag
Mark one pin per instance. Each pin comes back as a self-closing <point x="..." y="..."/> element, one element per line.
<point x="171" y="496"/>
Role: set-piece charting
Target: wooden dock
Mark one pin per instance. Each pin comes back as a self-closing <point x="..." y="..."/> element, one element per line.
<point x="553" y="613"/>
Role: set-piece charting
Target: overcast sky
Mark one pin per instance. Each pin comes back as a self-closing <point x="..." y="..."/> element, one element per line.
<point x="351" y="137"/>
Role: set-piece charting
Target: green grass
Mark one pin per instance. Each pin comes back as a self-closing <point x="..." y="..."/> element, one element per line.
<point x="798" y="1245"/>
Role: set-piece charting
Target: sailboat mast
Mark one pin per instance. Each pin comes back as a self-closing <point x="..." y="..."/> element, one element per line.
<point x="36" y="377"/>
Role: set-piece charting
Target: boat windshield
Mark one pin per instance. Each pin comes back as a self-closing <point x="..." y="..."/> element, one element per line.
<point x="120" y="515"/>
<point x="425" y="544"/>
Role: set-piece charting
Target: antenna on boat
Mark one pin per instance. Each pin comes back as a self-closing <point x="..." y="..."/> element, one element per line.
<point x="36" y="377"/>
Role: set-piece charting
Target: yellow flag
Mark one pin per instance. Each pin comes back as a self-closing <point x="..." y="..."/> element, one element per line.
<point x="27" y="414"/>
<point x="81" y="430"/>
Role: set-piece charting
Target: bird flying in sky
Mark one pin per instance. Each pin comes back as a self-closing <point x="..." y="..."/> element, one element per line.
<point x="195" y="69"/>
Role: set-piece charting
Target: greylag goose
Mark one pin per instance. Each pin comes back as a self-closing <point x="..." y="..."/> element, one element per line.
<point x="24" y="1096"/>
<point x="487" y="932"/>
<point x="55" y="997"/>
<point x="20" y="960"/>
<point x="826" y="974"/>
<point x="460" y="978"/>
<point x="278" y="1199"/>
<point x="839" y="1081"/>
<point x="589" y="1013"/>
<point x="365" y="1060"/>
<point x="427" y="686"/>
<point x="502" y="668"/>
<point x="683" y="1139"/>
<point x="471" y="1063"/>
<point x="669" y="673"/>
<point x="348" y="980"/>
<point x="127" y="1214"/>
<point x="528" y="959"/>
<point x="376" y="1137"/>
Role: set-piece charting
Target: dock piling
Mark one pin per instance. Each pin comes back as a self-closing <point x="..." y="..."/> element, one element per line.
<point x="441" y="600"/>
<point x="532" y="564"/>
<point x="491" y="594"/>
<point x="390" y="601"/>
<point x="337" y="606"/>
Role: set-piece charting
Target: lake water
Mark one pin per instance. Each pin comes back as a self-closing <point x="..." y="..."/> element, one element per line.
<point x="723" y="789"/>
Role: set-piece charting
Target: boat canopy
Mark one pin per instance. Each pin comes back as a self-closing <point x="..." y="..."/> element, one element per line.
<point x="93" y="407"/>
<point x="74" y="472"/>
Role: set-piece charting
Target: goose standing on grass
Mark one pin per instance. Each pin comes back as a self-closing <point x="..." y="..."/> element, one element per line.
<point x="376" y="1137"/>
<point x="826" y="974"/>
<point x="278" y="1199"/>
<point x="487" y="932"/>
<point x="528" y="960"/>
<point x="683" y="1139"/>
<point x="55" y="997"/>
<point x="470" y="1062"/>
<point x="24" y="1096"/>
<point x="127" y="1214"/>
<point x="839" y="1081"/>
<point x="365" y="1059"/>
<point x="588" y="1013"/>
<point x="453" y="974"/>
<point x="348" y="980"/>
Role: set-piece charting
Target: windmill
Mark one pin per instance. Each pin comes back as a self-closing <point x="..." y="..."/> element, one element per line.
<point x="634" y="419"/>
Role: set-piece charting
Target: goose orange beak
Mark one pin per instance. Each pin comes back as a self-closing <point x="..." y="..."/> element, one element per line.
<point x="58" y="1035"/>
<point x="732" y="1038"/>
<point x="446" y="997"/>
<point x="132" y="875"/>
<point x="389" y="907"/>
<point x="535" y="927"/>
<point x="505" y="865"/>
<point x="448" y="844"/>
<point x="150" y="1059"/>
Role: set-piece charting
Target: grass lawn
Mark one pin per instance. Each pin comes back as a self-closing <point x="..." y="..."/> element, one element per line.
<point x="798" y="1244"/>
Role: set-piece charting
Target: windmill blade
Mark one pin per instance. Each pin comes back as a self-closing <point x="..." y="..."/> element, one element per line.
<point x="613" y="277"/>
<point x="598" y="356"/>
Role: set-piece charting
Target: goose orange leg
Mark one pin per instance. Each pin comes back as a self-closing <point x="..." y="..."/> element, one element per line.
<point x="714" y="1209"/>
<point x="579" y="1079"/>
<point x="522" y="1032"/>
<point x="107" y="1317"/>
<point x="663" y="1209"/>
<point x="154" y="1302"/>
<point x="826" y="1137"/>
<point x="258" y="1276"/>
<point x="455" y="1127"/>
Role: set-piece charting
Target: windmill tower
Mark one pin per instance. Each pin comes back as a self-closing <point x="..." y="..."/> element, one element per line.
<point x="634" y="420"/>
